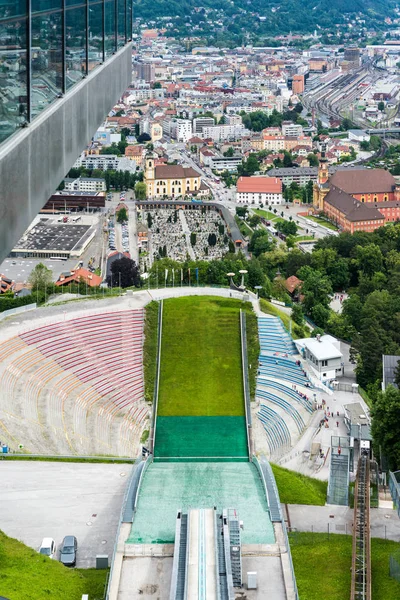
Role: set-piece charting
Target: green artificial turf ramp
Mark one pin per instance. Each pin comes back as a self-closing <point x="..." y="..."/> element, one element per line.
<point x="201" y="409"/>
<point x="201" y="370"/>
<point x="189" y="437"/>
<point x="168" y="487"/>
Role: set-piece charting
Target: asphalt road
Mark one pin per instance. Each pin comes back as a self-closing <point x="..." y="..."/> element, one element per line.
<point x="52" y="499"/>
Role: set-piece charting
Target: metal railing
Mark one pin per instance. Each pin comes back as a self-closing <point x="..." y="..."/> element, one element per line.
<point x="157" y="380"/>
<point x="274" y="506"/>
<point x="246" y="385"/>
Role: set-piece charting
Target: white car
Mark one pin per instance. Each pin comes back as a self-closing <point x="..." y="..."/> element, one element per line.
<point x="48" y="547"/>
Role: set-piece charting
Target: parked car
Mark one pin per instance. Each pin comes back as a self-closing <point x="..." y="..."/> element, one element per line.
<point x="68" y="551"/>
<point x="48" y="547"/>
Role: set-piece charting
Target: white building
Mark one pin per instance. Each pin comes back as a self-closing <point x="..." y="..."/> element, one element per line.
<point x="85" y="184"/>
<point x="98" y="161"/>
<point x="221" y="133"/>
<point x="255" y="190"/>
<point x="200" y="122"/>
<point x="225" y="163"/>
<point x="180" y="129"/>
<point x="323" y="356"/>
<point x="291" y="129"/>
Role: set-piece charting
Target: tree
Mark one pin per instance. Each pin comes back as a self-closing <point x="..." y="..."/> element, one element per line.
<point x="260" y="242"/>
<point x="144" y="137"/>
<point x="122" y="215"/>
<point x="124" y="273"/>
<point x="229" y="152"/>
<point x="40" y="278"/>
<point x="254" y="221"/>
<point x="212" y="239"/>
<point x="249" y="167"/>
<point x="140" y="191"/>
<point x="241" y="211"/>
<point x="297" y="314"/>
<point x="287" y="159"/>
<point x="298" y="108"/>
<point x="316" y="288"/>
<point x="385" y="426"/>
<point x="381" y="106"/>
<point x="287" y="227"/>
<point x="193" y="238"/>
<point x="313" y="159"/>
<point x="149" y="220"/>
<point x="157" y="85"/>
<point x="369" y="258"/>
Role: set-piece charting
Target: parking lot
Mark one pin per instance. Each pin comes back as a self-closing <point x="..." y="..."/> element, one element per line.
<point x="19" y="269"/>
<point x="52" y="499"/>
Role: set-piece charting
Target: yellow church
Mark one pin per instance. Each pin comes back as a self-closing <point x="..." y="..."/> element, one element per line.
<point x="321" y="187"/>
<point x="169" y="180"/>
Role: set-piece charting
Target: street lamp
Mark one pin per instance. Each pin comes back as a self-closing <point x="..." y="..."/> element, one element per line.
<point x="258" y="287"/>
<point x="243" y="272"/>
<point x="230" y="275"/>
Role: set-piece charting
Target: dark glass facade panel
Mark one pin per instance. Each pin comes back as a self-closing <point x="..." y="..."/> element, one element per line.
<point x="46" y="60"/>
<point x="38" y="6"/>
<point x="13" y="76"/>
<point x="95" y="33"/>
<point x="62" y="49"/>
<point x="121" y="28"/>
<point x="12" y="8"/>
<point x="110" y="33"/>
<point x="129" y="19"/>
<point x="75" y="45"/>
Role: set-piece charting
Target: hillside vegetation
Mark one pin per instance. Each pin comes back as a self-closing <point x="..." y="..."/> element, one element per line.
<point x="328" y="558"/>
<point x="295" y="488"/>
<point x="27" y="575"/>
<point x="291" y="16"/>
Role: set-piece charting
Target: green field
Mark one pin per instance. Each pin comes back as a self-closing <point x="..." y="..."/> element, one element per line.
<point x="201" y="371"/>
<point x="322" y="566"/>
<point x="201" y="407"/>
<point x="323" y="222"/>
<point x="27" y="575"/>
<point x="295" y="488"/>
<point x="266" y="214"/>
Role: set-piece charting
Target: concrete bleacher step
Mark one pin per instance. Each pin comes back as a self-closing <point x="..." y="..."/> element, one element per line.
<point x="53" y="409"/>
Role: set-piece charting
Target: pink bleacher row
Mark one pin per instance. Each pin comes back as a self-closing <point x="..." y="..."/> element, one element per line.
<point x="105" y="320"/>
<point x="104" y="351"/>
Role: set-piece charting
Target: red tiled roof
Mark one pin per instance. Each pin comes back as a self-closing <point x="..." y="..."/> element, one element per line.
<point x="80" y="275"/>
<point x="292" y="283"/>
<point x="266" y="185"/>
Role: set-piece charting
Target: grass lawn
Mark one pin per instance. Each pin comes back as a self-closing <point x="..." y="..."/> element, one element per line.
<point x="304" y="238"/>
<point x="322" y="566"/>
<point x="295" y="488"/>
<point x="27" y="575"/>
<point x="323" y="222"/>
<point x="265" y="213"/>
<point x="150" y="349"/>
<point x="244" y="228"/>
<point x="201" y="371"/>
<point x="272" y="309"/>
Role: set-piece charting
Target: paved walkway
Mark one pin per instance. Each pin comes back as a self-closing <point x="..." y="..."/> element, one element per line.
<point x="339" y="519"/>
<point x="186" y="231"/>
<point x="45" y="315"/>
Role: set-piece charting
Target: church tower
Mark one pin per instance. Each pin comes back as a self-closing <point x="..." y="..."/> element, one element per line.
<point x="149" y="171"/>
<point x="321" y="188"/>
